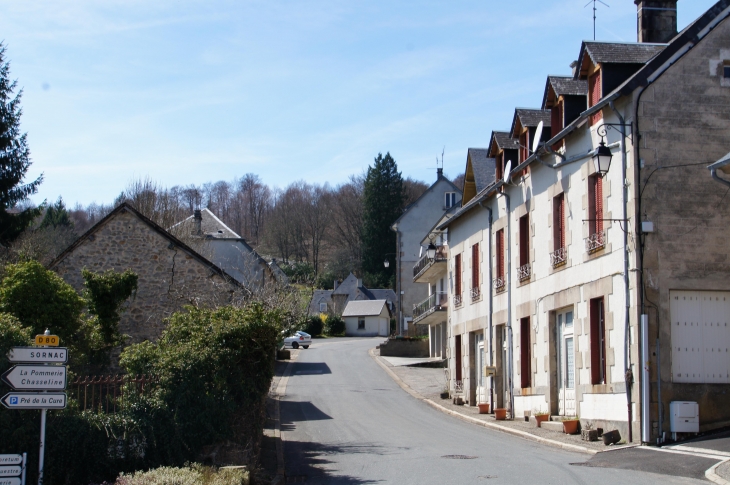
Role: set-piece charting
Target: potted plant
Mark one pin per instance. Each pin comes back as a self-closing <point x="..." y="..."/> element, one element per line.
<point x="500" y="414"/>
<point x="483" y="408"/>
<point x="445" y="393"/>
<point x="541" y="416"/>
<point x="570" y="424"/>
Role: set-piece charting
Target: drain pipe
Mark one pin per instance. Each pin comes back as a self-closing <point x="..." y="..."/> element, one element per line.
<point x="491" y="335"/>
<point x="628" y="374"/>
<point x="510" y="375"/>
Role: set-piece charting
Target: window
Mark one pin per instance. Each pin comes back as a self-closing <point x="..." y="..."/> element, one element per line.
<point x="525" y="240"/>
<point x="500" y="166"/>
<point x="595" y="204"/>
<point x="361" y="324"/>
<point x="598" y="341"/>
<point x="323" y="307"/>
<point x="475" y="271"/>
<point x="524" y="150"/>
<point x="450" y="199"/>
<point x="556" y="122"/>
<point x="525" y="354"/>
<point x="559" y="222"/>
<point x="726" y="72"/>
<point x="457" y="279"/>
<point x="500" y="259"/>
<point x="594" y="95"/>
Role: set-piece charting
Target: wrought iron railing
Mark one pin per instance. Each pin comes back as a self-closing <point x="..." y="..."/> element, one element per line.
<point x="499" y="283"/>
<point x="475" y="293"/>
<point x="457" y="299"/>
<point x="434" y="302"/>
<point x="559" y="257"/>
<point x="595" y="241"/>
<point x="524" y="272"/>
<point x="106" y="394"/>
<point x="425" y="262"/>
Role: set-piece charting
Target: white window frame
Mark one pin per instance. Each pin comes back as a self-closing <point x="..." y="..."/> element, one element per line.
<point x="322" y="304"/>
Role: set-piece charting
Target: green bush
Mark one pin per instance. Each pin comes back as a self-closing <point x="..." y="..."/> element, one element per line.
<point x="335" y="326"/>
<point x="314" y="325"/>
<point x="192" y="475"/>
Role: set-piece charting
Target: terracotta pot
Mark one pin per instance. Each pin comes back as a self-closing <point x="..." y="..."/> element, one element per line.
<point x="500" y="414"/>
<point x="540" y="418"/>
<point x="570" y="426"/>
<point x="483" y="408"/>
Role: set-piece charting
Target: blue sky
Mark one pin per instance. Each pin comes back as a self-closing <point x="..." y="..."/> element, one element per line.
<point x="191" y="92"/>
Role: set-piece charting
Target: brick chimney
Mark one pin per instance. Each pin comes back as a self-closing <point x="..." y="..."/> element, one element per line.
<point x="656" y="20"/>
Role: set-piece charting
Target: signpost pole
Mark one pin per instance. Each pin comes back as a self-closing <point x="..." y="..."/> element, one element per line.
<point x="42" y="448"/>
<point x="22" y="473"/>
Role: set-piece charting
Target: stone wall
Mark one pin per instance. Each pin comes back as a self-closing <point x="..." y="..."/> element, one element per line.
<point x="404" y="348"/>
<point x="169" y="276"/>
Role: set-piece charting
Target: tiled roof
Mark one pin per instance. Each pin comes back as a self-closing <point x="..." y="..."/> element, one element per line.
<point x="363" y="308"/>
<point x="564" y="85"/>
<point x="531" y="117"/>
<point x="484" y="168"/>
<point x="618" y="53"/>
<point x="504" y="141"/>
<point x="210" y="225"/>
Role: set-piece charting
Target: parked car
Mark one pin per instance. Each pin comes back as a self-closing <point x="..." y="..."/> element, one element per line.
<point x="299" y="339"/>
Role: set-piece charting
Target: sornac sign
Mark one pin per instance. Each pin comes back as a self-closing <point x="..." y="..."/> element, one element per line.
<point x="58" y="355"/>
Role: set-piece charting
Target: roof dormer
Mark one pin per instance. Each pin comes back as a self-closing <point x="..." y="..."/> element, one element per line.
<point x="479" y="173"/>
<point x="502" y="148"/>
<point x="566" y="98"/>
<point x="524" y="126"/>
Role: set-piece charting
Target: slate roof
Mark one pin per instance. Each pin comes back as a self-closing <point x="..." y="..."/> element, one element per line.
<point x="530" y="117"/>
<point x="484" y="167"/>
<point x="566" y="85"/>
<point x="363" y="308"/>
<point x="210" y="225"/>
<point x="383" y="294"/>
<point x="347" y="287"/>
<point x="505" y="141"/>
<point x="619" y="53"/>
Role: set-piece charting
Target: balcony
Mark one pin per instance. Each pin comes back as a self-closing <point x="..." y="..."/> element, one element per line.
<point x="476" y="295"/>
<point x="524" y="272"/>
<point x="499" y="284"/>
<point x="428" y="270"/>
<point x="595" y="242"/>
<point x="559" y="257"/>
<point x="431" y="310"/>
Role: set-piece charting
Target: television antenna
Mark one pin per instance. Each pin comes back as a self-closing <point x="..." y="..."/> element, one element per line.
<point x="442" y="159"/>
<point x="594" y="13"/>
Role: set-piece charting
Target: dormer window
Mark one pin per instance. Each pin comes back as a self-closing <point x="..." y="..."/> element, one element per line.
<point x="449" y="200"/>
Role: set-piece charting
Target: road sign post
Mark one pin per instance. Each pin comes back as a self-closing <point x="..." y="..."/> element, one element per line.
<point x="36" y="377"/>
<point x="12" y="469"/>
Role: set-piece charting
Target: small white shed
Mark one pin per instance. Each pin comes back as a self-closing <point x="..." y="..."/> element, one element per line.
<point x="366" y="318"/>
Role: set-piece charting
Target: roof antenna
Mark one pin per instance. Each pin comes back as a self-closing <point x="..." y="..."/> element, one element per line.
<point x="594" y="13"/>
<point x="440" y="170"/>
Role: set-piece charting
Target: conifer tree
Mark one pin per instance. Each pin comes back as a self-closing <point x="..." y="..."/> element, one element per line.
<point x="14" y="160"/>
<point x="382" y="205"/>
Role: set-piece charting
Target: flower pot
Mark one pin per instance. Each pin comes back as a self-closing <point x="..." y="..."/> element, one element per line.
<point x="445" y="395"/>
<point x="500" y="414"/>
<point x="611" y="437"/>
<point x="483" y="408"/>
<point x="540" y="418"/>
<point x="570" y="426"/>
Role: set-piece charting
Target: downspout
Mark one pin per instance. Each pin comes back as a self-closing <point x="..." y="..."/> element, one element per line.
<point x="629" y="378"/>
<point x="491" y="335"/>
<point x="510" y="371"/>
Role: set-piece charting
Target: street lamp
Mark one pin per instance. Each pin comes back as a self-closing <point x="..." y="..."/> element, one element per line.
<point x="386" y="263"/>
<point x="602" y="159"/>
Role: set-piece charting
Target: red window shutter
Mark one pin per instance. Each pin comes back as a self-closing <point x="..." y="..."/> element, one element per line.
<point x="525" y="354"/>
<point x="523" y="148"/>
<point x="500" y="253"/>
<point x="598" y="342"/>
<point x="559" y="222"/>
<point x="524" y="240"/>
<point x="599" y="203"/>
<point x="457" y="276"/>
<point x="594" y="95"/>
<point x="475" y="266"/>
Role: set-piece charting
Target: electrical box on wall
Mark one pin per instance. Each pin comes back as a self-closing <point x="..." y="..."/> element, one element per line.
<point x="489" y="371"/>
<point x="647" y="227"/>
<point x="684" y="417"/>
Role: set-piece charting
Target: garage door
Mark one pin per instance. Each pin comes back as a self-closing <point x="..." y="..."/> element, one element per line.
<point x="700" y="336"/>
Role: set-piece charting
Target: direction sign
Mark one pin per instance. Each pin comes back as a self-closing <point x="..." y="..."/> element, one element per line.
<point x="10" y="481"/>
<point x="34" y="400"/>
<point x="41" y="377"/>
<point x="59" y="355"/>
<point x="49" y="340"/>
<point x="10" y="471"/>
<point x="11" y="459"/>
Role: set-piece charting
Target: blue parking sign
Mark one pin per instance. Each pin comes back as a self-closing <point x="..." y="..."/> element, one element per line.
<point x="13" y="400"/>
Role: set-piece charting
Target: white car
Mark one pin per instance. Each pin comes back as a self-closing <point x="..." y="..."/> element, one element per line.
<point x="299" y="339"/>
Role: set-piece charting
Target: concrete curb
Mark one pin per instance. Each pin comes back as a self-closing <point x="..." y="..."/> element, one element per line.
<point x="712" y="476"/>
<point x="280" y="392"/>
<point x="479" y="422"/>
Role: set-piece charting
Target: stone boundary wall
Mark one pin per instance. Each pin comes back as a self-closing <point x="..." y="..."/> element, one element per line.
<point x="405" y="348"/>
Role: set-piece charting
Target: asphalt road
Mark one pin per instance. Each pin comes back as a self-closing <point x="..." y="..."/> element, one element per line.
<point x="344" y="420"/>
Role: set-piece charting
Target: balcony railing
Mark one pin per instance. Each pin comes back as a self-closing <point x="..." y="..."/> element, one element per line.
<point x="498" y="283"/>
<point x="559" y="257"/>
<point x="524" y="272"/>
<point x="475" y="294"/>
<point x="425" y="262"/>
<point x="457" y="299"/>
<point x="595" y="242"/>
<point x="434" y="302"/>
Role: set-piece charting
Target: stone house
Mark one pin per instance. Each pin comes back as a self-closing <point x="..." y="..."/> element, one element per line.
<point x="604" y="292"/>
<point x="410" y="228"/>
<point x="350" y="289"/>
<point x="170" y="273"/>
